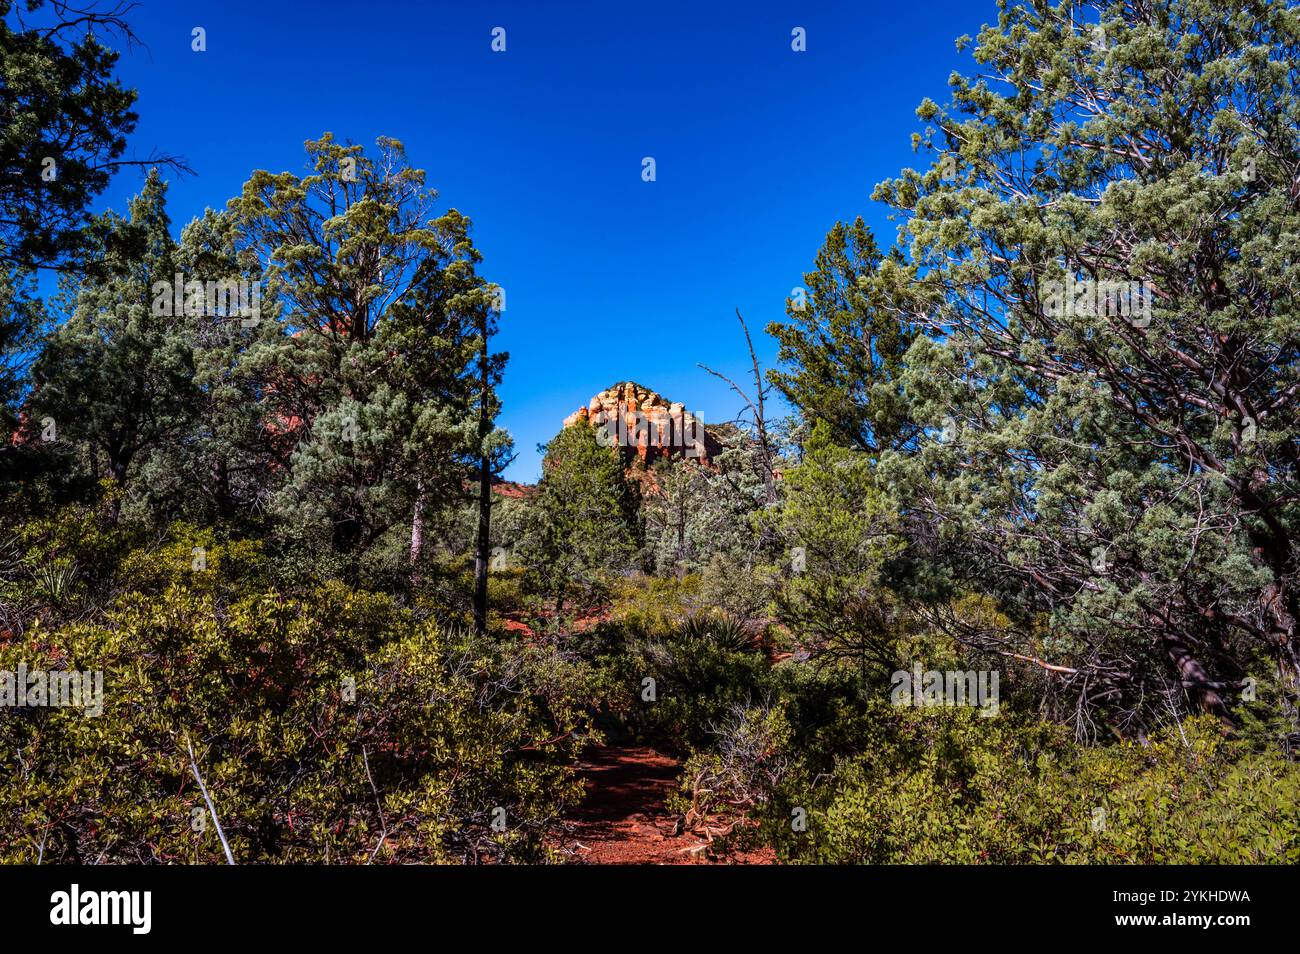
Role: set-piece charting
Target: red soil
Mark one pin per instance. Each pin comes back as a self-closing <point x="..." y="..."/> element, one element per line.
<point x="517" y="628"/>
<point x="508" y="488"/>
<point x="624" y="821"/>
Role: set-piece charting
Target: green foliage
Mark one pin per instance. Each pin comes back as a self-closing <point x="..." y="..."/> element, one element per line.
<point x="231" y="460"/>
<point x="694" y="515"/>
<point x="327" y="726"/>
<point x="63" y="562"/>
<point x="839" y="527"/>
<point x="117" y="377"/>
<point x="725" y="632"/>
<point x="946" y="786"/>
<point x="582" y="527"/>
<point x="702" y="668"/>
<point x="66" y="119"/>
<point x="264" y="535"/>
<point x="372" y="379"/>
<point x="1089" y="244"/>
<point x="61" y="102"/>
<point x="842" y="350"/>
<point x="653" y="605"/>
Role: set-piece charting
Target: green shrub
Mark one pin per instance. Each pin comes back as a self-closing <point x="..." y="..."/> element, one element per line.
<point x="651" y="605"/>
<point x="947" y="786"/>
<point x="328" y="727"/>
<point x="702" y="669"/>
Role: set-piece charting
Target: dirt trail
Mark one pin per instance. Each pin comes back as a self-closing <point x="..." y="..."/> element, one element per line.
<point x="624" y="821"/>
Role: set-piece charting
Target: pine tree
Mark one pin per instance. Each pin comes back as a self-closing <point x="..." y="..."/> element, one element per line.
<point x="1105" y="253"/>
<point x="65" y="122"/>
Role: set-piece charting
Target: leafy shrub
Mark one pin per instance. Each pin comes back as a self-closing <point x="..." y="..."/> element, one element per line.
<point x="728" y="785"/>
<point x="59" y="565"/>
<point x="700" y="673"/>
<point x="328" y="727"/>
<point x="946" y="786"/>
<point x="652" y="605"/>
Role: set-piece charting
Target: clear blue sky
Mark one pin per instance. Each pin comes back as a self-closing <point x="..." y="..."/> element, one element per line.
<point x="759" y="150"/>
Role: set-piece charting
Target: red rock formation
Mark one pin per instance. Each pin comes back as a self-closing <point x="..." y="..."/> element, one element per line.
<point x="646" y="426"/>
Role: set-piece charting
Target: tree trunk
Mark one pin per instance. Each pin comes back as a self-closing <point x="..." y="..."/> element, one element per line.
<point x="484" y="485"/>
<point x="117" y="468"/>
<point x="417" y="527"/>
<point x="1196" y="680"/>
<point x="481" y="544"/>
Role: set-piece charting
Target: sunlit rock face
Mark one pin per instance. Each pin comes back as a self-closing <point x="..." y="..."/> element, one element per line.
<point x="646" y="425"/>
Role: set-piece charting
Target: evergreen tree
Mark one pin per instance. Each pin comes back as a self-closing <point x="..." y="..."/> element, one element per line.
<point x="843" y="346"/>
<point x="224" y="471"/>
<point x="582" y="524"/>
<point x="65" y="122"/>
<point x="1106" y="253"/>
<point x="841" y="528"/>
<point x="116" y="378"/>
<point x="375" y="380"/>
<point x="694" y="515"/>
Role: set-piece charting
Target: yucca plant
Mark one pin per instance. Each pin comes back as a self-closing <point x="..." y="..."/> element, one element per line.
<point x="55" y="580"/>
<point x="721" y="629"/>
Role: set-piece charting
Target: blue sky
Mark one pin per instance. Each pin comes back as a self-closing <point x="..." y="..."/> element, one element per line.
<point x="758" y="150"/>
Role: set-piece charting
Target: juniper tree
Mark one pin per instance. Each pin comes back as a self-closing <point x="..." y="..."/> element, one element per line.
<point x="841" y="528"/>
<point x="223" y="470"/>
<point x="842" y="348"/>
<point x="116" y="378"/>
<point x="582" y="524"/>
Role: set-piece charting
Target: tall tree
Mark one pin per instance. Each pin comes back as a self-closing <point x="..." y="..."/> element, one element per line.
<point x="65" y="123"/>
<point x="117" y="377"/>
<point x="223" y="471"/>
<point x="373" y="383"/>
<point x="491" y="452"/>
<point x="843" y="347"/>
<point x="1106" y="250"/>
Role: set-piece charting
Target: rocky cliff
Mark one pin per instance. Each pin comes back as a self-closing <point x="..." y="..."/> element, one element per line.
<point x="646" y="425"/>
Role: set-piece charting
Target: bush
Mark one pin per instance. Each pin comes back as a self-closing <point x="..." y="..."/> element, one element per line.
<point x="702" y="668"/>
<point x="328" y="727"/>
<point x="946" y="786"/>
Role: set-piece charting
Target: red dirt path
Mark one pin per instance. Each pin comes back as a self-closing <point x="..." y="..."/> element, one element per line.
<point x="624" y="821"/>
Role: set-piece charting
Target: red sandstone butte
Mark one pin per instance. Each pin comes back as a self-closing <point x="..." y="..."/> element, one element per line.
<point x="649" y="426"/>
